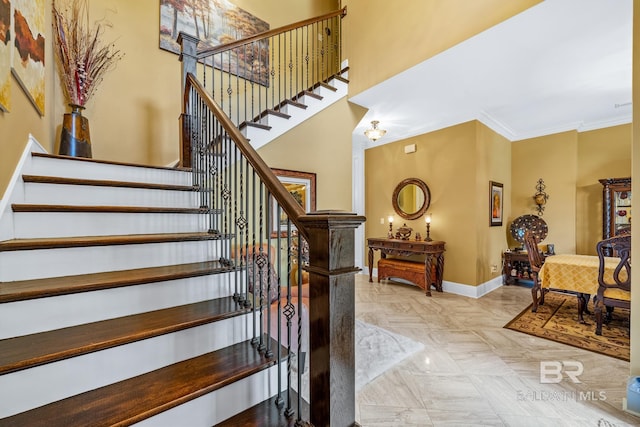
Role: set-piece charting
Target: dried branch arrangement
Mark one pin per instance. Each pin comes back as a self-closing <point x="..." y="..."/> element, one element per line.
<point x="83" y="58"/>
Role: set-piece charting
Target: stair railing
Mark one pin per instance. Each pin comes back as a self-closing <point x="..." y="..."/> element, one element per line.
<point x="266" y="72"/>
<point x="266" y="234"/>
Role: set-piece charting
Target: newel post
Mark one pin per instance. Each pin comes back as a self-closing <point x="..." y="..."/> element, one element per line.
<point x="188" y="57"/>
<point x="331" y="316"/>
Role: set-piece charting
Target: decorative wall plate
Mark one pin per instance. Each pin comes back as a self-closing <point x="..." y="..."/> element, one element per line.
<point x="529" y="222"/>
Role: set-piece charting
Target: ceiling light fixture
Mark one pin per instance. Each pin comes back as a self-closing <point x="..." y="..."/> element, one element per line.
<point x="374" y="133"/>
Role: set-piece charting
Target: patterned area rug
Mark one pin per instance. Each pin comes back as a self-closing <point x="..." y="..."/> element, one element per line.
<point x="557" y="320"/>
<point x="377" y="350"/>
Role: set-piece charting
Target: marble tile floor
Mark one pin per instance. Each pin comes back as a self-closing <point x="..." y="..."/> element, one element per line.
<point x="473" y="372"/>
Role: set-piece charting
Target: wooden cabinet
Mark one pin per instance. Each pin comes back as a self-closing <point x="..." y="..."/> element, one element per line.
<point x="616" y="206"/>
<point x="516" y="269"/>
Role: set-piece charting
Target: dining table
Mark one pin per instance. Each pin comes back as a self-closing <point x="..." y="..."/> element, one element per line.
<point x="576" y="274"/>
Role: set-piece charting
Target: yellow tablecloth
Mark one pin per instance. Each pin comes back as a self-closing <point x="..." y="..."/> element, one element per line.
<point x="578" y="273"/>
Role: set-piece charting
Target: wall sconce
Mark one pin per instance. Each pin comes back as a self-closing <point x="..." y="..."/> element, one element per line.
<point x="427" y="220"/>
<point x="374" y="133"/>
<point x="540" y="197"/>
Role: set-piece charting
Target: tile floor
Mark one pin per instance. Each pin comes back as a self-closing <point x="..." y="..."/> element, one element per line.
<point x="473" y="372"/>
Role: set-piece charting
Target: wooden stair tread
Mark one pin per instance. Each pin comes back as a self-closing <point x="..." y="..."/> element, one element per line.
<point x="267" y="414"/>
<point x="39" y="288"/>
<point x="83" y="241"/>
<point x="109" y="162"/>
<point x="41" y="179"/>
<point x="255" y="125"/>
<point x="138" y="398"/>
<point x="21" y="207"/>
<point x="294" y="103"/>
<point x="45" y="347"/>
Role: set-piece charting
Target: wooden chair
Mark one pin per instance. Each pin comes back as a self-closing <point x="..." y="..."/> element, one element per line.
<point x="536" y="260"/>
<point x="613" y="290"/>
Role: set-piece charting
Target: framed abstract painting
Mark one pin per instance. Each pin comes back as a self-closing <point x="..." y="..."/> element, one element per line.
<point x="5" y="54"/>
<point x="29" y="48"/>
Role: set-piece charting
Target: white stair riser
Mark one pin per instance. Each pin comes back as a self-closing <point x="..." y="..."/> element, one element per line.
<point x="44" y="314"/>
<point x="219" y="405"/>
<point x="95" y="170"/>
<point x="92" y="195"/>
<point x="41" y="263"/>
<point x="67" y="224"/>
<point x="34" y="387"/>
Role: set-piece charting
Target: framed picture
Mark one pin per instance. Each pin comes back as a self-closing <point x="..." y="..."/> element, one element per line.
<point x="29" y="49"/>
<point x="216" y="22"/>
<point x="496" y="200"/>
<point x="302" y="186"/>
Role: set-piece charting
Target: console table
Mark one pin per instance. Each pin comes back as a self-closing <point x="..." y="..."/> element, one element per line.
<point x="433" y="252"/>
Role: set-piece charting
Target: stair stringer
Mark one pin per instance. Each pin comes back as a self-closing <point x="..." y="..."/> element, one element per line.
<point x="279" y="126"/>
<point x="15" y="192"/>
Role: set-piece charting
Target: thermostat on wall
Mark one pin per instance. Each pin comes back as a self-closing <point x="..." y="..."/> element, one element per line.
<point x="411" y="148"/>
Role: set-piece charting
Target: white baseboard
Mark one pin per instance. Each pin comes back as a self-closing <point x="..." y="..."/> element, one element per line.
<point x="460" y="288"/>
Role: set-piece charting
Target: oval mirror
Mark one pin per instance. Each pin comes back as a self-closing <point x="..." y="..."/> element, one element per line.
<point x="411" y="198"/>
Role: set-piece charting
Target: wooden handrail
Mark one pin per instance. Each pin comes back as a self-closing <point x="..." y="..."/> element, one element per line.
<point x="293" y="210"/>
<point x="269" y="33"/>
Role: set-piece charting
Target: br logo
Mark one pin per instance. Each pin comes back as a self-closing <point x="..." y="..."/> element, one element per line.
<point x="552" y="371"/>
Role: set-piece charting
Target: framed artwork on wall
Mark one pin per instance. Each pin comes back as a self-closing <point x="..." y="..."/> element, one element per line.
<point x="6" y="51"/>
<point x="29" y="47"/>
<point x="496" y="201"/>
<point x="216" y="22"/>
<point x="302" y="186"/>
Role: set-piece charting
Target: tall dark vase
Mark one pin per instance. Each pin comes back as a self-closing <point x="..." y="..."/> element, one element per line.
<point x="74" y="138"/>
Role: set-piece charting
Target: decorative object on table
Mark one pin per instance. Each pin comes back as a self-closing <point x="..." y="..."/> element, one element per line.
<point x="551" y="249"/>
<point x="496" y="202"/>
<point x="83" y="60"/>
<point x="540" y="198"/>
<point x="411" y="198"/>
<point x="556" y="320"/>
<point x="418" y="237"/>
<point x="375" y="133"/>
<point x="427" y="220"/>
<point x="27" y="48"/>
<point x="390" y="234"/>
<point x="533" y="223"/>
<point x="404" y="232"/>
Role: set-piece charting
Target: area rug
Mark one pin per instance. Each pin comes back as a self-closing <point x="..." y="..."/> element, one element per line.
<point x="377" y="350"/>
<point x="557" y="320"/>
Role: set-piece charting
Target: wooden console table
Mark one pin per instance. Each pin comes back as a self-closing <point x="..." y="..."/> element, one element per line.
<point x="433" y="252"/>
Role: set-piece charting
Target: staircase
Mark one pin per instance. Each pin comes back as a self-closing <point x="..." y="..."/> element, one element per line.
<point x="125" y="292"/>
<point x="115" y="308"/>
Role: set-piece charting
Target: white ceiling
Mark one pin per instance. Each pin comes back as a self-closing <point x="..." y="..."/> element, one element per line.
<point x="560" y="65"/>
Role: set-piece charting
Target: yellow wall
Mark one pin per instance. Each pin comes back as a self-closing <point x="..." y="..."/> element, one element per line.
<point x="403" y="34"/>
<point x="456" y="164"/>
<point x="134" y="114"/>
<point x="325" y="150"/>
<point x="570" y="164"/>
<point x="554" y="159"/>
<point x="602" y="153"/>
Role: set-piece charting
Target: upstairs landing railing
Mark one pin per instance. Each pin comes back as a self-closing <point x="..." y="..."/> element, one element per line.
<point x="267" y="236"/>
<point x="262" y="74"/>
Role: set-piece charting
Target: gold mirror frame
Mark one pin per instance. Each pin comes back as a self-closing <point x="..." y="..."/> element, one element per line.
<point x="425" y="205"/>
